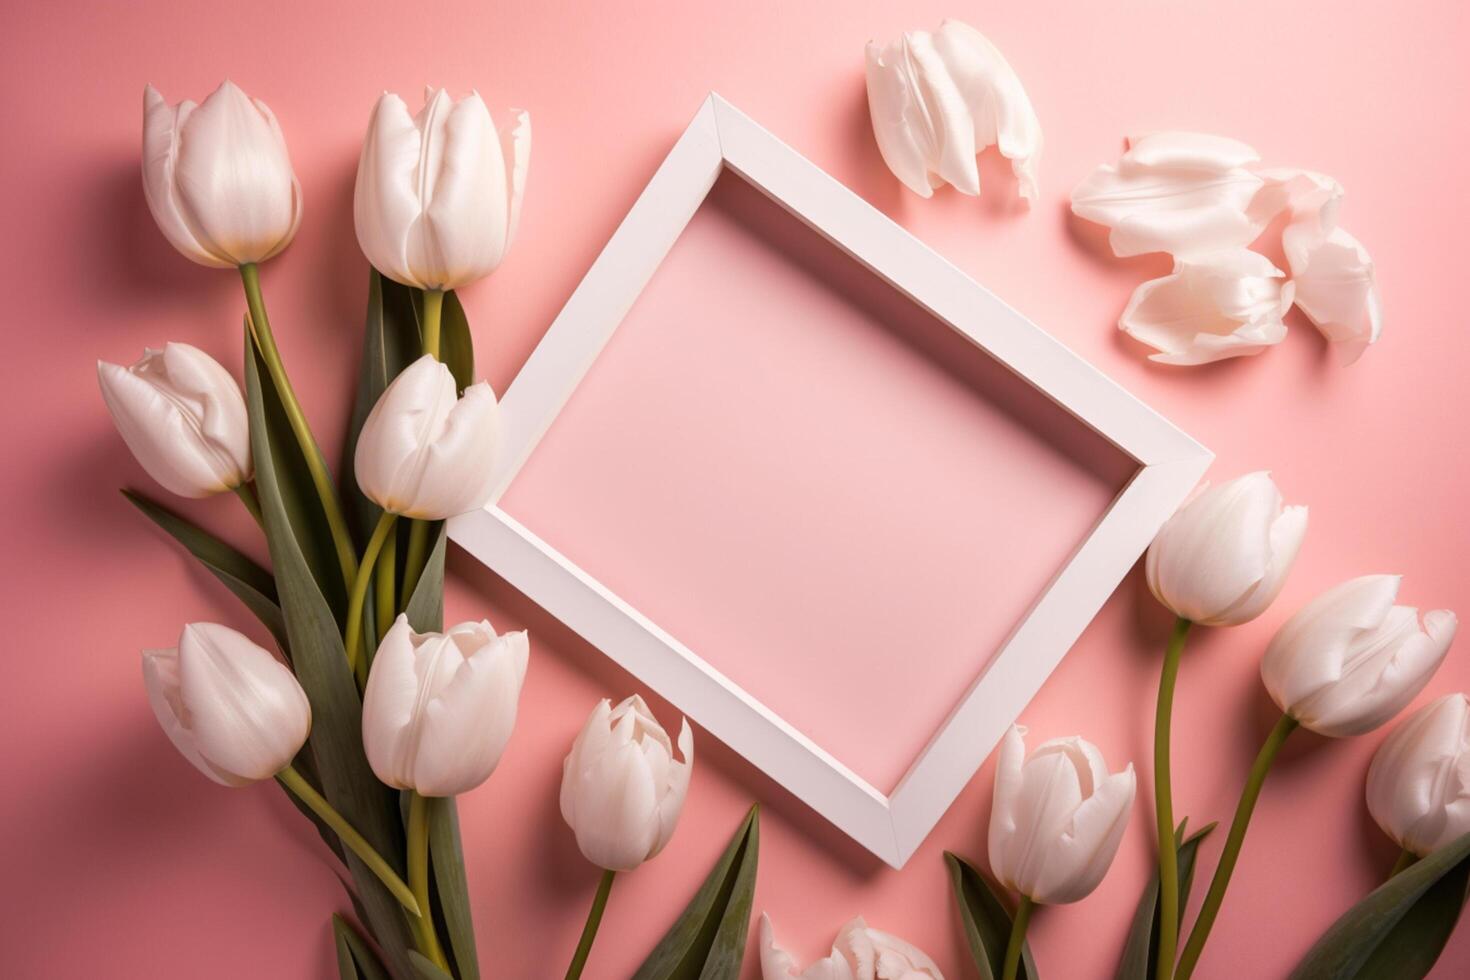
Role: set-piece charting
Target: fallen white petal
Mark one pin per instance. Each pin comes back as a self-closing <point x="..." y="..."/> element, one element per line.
<point x="1222" y="304"/>
<point x="1335" y="287"/>
<point x="1182" y="193"/>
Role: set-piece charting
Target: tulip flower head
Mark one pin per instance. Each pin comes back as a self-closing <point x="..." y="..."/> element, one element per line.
<point x="1350" y="659"/>
<point x="1224" y="556"/>
<point x="439" y="708"/>
<point x="425" y="453"/>
<point x="229" y="706"/>
<point x="860" y="953"/>
<point x="218" y="178"/>
<point x="621" y="788"/>
<point x="1057" y="819"/>
<point x="183" y="417"/>
<point x="937" y="99"/>
<point x="1419" y="782"/>
<point x="438" y="194"/>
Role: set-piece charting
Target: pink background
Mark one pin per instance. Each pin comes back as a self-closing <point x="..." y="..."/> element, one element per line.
<point x="122" y="861"/>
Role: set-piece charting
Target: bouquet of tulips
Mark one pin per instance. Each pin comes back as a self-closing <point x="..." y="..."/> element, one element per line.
<point x="375" y="717"/>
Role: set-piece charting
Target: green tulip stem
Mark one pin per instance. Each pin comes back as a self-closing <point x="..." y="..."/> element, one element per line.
<point x="1164" y="804"/>
<point x="1018" y="938"/>
<point x="418" y="531"/>
<point x="251" y="501"/>
<point x="589" y="931"/>
<point x="352" y="633"/>
<point x="303" y="791"/>
<point x="1406" y="858"/>
<point x="425" y="936"/>
<point x="1231" y="852"/>
<point x="385" y="596"/>
<point x="326" y="491"/>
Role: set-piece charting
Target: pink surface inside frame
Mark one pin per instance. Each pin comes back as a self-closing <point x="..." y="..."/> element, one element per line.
<point x="1170" y="463"/>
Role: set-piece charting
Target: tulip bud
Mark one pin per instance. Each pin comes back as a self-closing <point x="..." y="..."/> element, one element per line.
<point x="217" y="177"/>
<point x="1419" y="782"/>
<point x="1057" y="819"/>
<point x="438" y="195"/>
<point x="1350" y="659"/>
<point x="621" y="790"/>
<point x="439" y="708"/>
<point x="183" y="417"/>
<point x="1224" y="556"/>
<point x="859" y="953"/>
<point x="424" y="453"/>
<point x="937" y="99"/>
<point x="228" y="705"/>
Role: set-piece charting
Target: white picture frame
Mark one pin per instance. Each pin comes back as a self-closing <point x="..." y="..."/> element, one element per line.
<point x="1170" y="463"/>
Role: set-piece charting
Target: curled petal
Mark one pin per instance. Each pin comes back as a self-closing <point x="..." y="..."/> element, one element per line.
<point x="1335" y="287"/>
<point x="1182" y="193"/>
<point x="1220" y="304"/>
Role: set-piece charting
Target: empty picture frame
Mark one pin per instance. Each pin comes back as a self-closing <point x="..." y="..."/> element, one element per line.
<point x="1169" y="464"/>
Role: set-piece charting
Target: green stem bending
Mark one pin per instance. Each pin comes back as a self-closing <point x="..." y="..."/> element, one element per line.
<point x="589" y="931"/>
<point x="297" y="785"/>
<point x="1231" y="852"/>
<point x="326" y="491"/>
<point x="1164" y="804"/>
<point x="426" y="938"/>
<point x="252" y="503"/>
<point x="1018" y="938"/>
<point x="1406" y="858"/>
<point x="352" y="632"/>
<point x="385" y="596"/>
<point x="416" y="558"/>
<point x="433" y="308"/>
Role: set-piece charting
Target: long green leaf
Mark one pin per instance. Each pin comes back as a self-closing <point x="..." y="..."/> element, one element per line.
<point x="1141" y="953"/>
<point x="424" y="968"/>
<point x="707" y="942"/>
<point x="355" y="958"/>
<point x="450" y="886"/>
<point x="1399" y="930"/>
<point x="320" y="664"/>
<point x="986" y="919"/>
<point x="456" y="346"/>
<point x="425" y="609"/>
<point x="250" y="583"/>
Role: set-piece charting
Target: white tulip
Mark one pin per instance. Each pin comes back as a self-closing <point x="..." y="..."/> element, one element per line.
<point x="938" y="99"/>
<point x="183" y="417"/>
<point x="1176" y="192"/>
<point x="1224" y="556"/>
<point x="860" y="953"/>
<point x="1350" y="659"/>
<point x="425" y="453"/>
<point x="438" y="195"/>
<point x="217" y="177"/>
<point x="439" y="708"/>
<point x="1419" y="782"/>
<point x="621" y="789"/>
<point x="1057" y="819"/>
<point x="1213" y="306"/>
<point x="233" y="710"/>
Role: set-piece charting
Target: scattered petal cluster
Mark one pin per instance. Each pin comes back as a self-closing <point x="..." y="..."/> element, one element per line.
<point x="1058" y="817"/>
<point x="939" y="98"/>
<point x="1204" y="200"/>
<point x="1419" y="782"/>
<point x="1350" y="659"/>
<point x="859" y="953"/>
<point x="1224" y="556"/>
<point x="622" y="790"/>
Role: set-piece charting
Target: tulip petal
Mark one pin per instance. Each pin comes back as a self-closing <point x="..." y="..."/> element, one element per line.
<point x="1310" y="650"/>
<point x="161" y="126"/>
<point x="1000" y="110"/>
<point x="458" y="463"/>
<point x="900" y="960"/>
<point x="952" y="154"/>
<point x="467" y="727"/>
<point x="516" y="151"/>
<point x="777" y="964"/>
<point x="467" y="177"/>
<point x="247" y="713"/>
<point x="161" y="680"/>
<point x="1217" y="305"/>
<point x="385" y="200"/>
<point x="892" y="106"/>
<point x="1076" y="862"/>
<point x="1336" y="288"/>
<point x="1418" y="787"/>
<point x="389" y="704"/>
<point x="677" y="781"/>
<point x="620" y="806"/>
<point x="1004" y="819"/>
<point x="1182" y="193"/>
<point x="1288" y="532"/>
<point x="234" y="178"/>
<point x="394" y="448"/>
